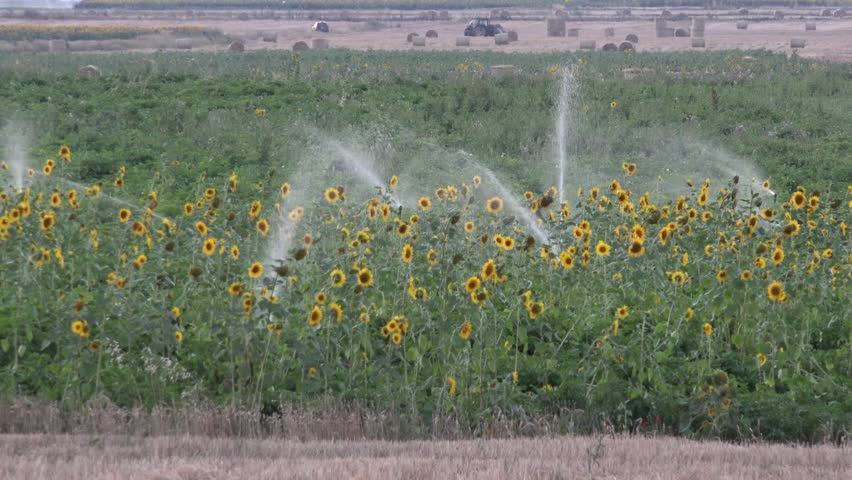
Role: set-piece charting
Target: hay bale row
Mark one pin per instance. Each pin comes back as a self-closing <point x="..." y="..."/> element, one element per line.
<point x="418" y="41"/>
<point x="270" y="37"/>
<point x="300" y="46"/>
<point x="513" y="36"/>
<point x="609" y="47"/>
<point x="411" y="36"/>
<point x="810" y="26"/>
<point x="665" y="32"/>
<point x="501" y="39"/>
<point x="587" y="44"/>
<point x="698" y="43"/>
<point x="626" y="47"/>
<point x="827" y="12"/>
<point x="840" y="13"/>
<point x="698" y="27"/>
<point x="444" y="15"/>
<point x="57" y="46"/>
<point x="462" y="41"/>
<point x="742" y="25"/>
<point x="681" y="32"/>
<point x="500" y="71"/>
<point x="431" y="34"/>
<point x="609" y="32"/>
<point x="632" y="38"/>
<point x="797" y="43"/>
<point x="89" y="71"/>
<point x="555" y="27"/>
<point x="572" y="32"/>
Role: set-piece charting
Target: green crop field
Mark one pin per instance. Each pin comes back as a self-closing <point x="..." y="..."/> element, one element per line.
<point x="397" y="231"/>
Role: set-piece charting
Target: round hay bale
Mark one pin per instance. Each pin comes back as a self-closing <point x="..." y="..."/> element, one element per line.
<point x="319" y="44"/>
<point x="237" y="47"/>
<point x="432" y="15"/>
<point x="431" y="34"/>
<point x="444" y="15"/>
<point x="500" y="71"/>
<point x="513" y="36"/>
<point x="609" y="32"/>
<point x="742" y="25"/>
<point x="57" y="46"/>
<point x="418" y="41"/>
<point x="698" y="27"/>
<point x="555" y="27"/>
<point x="88" y="71"/>
<point x="666" y="14"/>
<point x="501" y="39"/>
<point x="665" y="32"/>
<point x="840" y="13"/>
<point x="698" y="43"/>
<point x="183" y="43"/>
<point x="632" y="38"/>
<point x="797" y="43"/>
<point x="609" y="47"/>
<point x="778" y="14"/>
<point x="300" y="46"/>
<point x="587" y="44"/>
<point x="681" y="32"/>
<point x="826" y="12"/>
<point x="462" y="41"/>
<point x="572" y="32"/>
<point x="810" y="26"/>
<point x="626" y="47"/>
<point x="411" y="37"/>
<point x="270" y="37"/>
<point x="742" y="11"/>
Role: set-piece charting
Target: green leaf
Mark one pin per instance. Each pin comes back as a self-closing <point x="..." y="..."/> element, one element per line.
<point x="4" y="344"/>
<point x="738" y="340"/>
<point x="412" y="354"/>
<point x="21" y="350"/>
<point x="44" y="345"/>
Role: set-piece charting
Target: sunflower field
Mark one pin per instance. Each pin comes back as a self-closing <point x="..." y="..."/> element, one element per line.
<point x="184" y="249"/>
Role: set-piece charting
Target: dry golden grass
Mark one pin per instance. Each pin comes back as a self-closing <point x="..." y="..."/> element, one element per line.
<point x="73" y="457"/>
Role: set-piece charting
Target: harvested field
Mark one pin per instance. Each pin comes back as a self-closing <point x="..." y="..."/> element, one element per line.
<point x="388" y="29"/>
<point x="73" y="457"/>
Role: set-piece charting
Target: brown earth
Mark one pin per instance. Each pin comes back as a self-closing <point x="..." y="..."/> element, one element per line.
<point x="387" y="30"/>
<point x="78" y="457"/>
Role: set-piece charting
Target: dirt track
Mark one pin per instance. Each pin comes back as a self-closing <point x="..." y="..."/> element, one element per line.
<point x="384" y="30"/>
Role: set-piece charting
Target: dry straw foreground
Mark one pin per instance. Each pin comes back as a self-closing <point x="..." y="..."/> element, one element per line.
<point x="74" y="457"/>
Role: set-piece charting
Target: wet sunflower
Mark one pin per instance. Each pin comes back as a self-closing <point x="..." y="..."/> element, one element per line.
<point x="425" y="203"/>
<point x="236" y="289"/>
<point x="338" y="278"/>
<point x="798" y="200"/>
<point x="777" y="256"/>
<point x="613" y="104"/>
<point x="209" y="246"/>
<point x="472" y="284"/>
<point x="466" y="330"/>
<point x="296" y="214"/>
<point x="255" y="270"/>
<point x="201" y="228"/>
<point x="566" y="260"/>
<point x="636" y="249"/>
<point x="262" y="226"/>
<point x="124" y="215"/>
<point x="494" y="205"/>
<point x="315" y="317"/>
<point x="767" y="213"/>
<point x="402" y="229"/>
<point x="407" y="253"/>
<point x="332" y="195"/>
<point x="65" y="153"/>
<point x="489" y="270"/>
<point x="394" y="181"/>
<point x="775" y="291"/>
<point x="365" y="278"/>
<point x="284" y="190"/>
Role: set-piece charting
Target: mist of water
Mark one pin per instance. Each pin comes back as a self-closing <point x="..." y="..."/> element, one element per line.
<point x="565" y="124"/>
<point x="16" y="152"/>
<point x="51" y="4"/>
<point x="362" y="166"/>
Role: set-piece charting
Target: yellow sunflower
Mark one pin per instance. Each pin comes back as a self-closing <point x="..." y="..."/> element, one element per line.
<point x="255" y="270"/>
<point x="494" y="205"/>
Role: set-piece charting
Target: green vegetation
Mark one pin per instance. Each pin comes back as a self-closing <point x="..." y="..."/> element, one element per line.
<point x="611" y="320"/>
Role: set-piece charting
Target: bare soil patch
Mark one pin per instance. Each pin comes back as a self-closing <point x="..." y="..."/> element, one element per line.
<point x="78" y="457"/>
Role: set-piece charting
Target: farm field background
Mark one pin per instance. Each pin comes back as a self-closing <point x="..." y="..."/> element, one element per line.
<point x="395" y="232"/>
